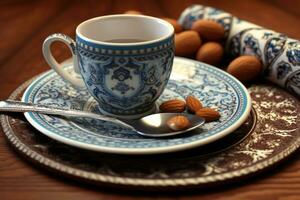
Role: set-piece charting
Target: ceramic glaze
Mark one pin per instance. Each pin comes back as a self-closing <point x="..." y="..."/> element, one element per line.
<point x="125" y="81"/>
<point x="124" y="78"/>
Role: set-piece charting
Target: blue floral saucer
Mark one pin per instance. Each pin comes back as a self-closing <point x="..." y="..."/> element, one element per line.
<point x="212" y="86"/>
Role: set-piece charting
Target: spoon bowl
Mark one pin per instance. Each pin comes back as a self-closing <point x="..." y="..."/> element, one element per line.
<point x="155" y="125"/>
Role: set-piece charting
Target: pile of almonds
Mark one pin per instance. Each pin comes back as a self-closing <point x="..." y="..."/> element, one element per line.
<point x="192" y="105"/>
<point x="205" y="41"/>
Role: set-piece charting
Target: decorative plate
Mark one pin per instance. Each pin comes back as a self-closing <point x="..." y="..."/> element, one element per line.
<point x="212" y="86"/>
<point x="270" y="134"/>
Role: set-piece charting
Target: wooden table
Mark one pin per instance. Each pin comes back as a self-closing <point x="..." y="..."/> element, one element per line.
<point x="24" y="26"/>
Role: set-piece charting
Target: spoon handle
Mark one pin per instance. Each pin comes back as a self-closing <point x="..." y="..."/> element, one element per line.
<point x="19" y="106"/>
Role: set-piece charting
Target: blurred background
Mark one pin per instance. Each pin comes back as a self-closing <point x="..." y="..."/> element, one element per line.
<point x="26" y="23"/>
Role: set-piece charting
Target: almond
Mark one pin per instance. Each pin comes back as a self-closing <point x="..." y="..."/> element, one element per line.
<point x="245" y="68"/>
<point x="178" y="123"/>
<point x="133" y="12"/>
<point x="209" y="30"/>
<point x="173" y="106"/>
<point x="210" y="53"/>
<point x="175" y="24"/>
<point x="208" y="114"/>
<point x="187" y="43"/>
<point x="193" y="104"/>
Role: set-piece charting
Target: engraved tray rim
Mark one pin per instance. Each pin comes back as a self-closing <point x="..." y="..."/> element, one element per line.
<point x="126" y="181"/>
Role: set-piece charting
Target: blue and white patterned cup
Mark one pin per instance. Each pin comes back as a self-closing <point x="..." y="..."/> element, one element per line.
<point x="124" y="78"/>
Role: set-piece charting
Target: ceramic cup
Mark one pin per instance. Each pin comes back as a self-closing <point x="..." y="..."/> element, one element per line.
<point x="124" y="61"/>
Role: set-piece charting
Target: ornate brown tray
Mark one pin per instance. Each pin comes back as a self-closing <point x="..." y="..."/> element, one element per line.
<point x="270" y="134"/>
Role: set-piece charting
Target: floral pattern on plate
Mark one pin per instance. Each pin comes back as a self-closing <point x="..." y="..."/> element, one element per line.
<point x="212" y="86"/>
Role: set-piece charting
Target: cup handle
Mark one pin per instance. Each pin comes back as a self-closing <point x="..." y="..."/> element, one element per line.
<point x="73" y="76"/>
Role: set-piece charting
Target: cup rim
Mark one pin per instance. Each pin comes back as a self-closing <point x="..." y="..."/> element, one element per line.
<point x="167" y="24"/>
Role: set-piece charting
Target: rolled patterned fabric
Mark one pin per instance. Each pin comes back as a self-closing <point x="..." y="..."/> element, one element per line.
<point x="279" y="54"/>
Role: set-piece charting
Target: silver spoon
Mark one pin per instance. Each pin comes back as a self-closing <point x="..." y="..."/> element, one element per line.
<point x="154" y="125"/>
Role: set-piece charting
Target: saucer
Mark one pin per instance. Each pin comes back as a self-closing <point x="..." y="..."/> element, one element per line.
<point x="211" y="85"/>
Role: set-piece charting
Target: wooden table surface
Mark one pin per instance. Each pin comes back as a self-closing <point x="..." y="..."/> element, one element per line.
<point x="24" y="26"/>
